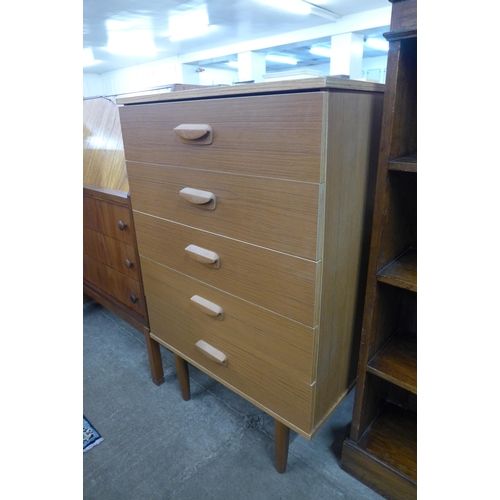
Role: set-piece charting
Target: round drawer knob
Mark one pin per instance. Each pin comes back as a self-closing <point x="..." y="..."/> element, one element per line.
<point x="129" y="263"/>
<point x="122" y="225"/>
<point x="134" y="299"/>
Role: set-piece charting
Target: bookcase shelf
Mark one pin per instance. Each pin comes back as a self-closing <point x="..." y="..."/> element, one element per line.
<point x="381" y="450"/>
<point x="402" y="271"/>
<point x="396" y="361"/>
<point x="404" y="164"/>
<point x="388" y="448"/>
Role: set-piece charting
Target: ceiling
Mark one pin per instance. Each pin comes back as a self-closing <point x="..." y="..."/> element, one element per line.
<point x="235" y="26"/>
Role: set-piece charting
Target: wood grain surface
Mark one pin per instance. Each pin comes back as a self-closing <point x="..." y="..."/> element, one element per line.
<point x="268" y="356"/>
<point x="103" y="156"/>
<point x="112" y="252"/>
<point x="113" y="283"/>
<point x="274" y="213"/>
<point x="104" y="217"/>
<point x="279" y="282"/>
<point x="275" y="136"/>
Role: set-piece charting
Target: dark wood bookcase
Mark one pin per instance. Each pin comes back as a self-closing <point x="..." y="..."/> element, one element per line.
<point x="381" y="450"/>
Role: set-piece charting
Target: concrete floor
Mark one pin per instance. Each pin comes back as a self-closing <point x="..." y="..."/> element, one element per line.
<point x="215" y="446"/>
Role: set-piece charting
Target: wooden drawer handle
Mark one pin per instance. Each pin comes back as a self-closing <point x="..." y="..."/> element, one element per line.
<point x="207" y="307"/>
<point x="122" y="225"/>
<point x="203" y="255"/>
<point x="128" y="263"/>
<point x="194" y="133"/>
<point x="211" y="352"/>
<point x="198" y="197"/>
<point x="134" y="299"/>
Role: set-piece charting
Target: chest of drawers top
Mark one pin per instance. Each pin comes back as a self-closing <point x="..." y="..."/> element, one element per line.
<point x="287" y="86"/>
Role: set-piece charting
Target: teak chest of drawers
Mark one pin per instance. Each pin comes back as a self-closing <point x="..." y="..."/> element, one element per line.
<point x="111" y="272"/>
<point x="252" y="207"/>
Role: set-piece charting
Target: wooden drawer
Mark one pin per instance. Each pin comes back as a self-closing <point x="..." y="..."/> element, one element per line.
<point x="258" y="135"/>
<point x="104" y="217"/>
<point x="274" y="280"/>
<point x="265" y="212"/>
<point x="269" y="358"/>
<point x="116" y="284"/>
<point x="113" y="253"/>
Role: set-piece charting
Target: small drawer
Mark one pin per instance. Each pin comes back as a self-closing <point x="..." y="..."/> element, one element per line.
<point x="114" y="253"/>
<point x="276" y="136"/>
<point x="273" y="213"/>
<point x="108" y="218"/>
<point x="279" y="282"/>
<point x="122" y="288"/>
<point x="262" y="355"/>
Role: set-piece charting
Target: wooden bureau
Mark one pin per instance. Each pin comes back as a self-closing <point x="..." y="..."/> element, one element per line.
<point x="252" y="208"/>
<point x="111" y="267"/>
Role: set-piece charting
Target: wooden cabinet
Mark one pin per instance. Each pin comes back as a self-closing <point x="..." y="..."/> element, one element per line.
<point x="252" y="208"/>
<point x="382" y="448"/>
<point x="111" y="269"/>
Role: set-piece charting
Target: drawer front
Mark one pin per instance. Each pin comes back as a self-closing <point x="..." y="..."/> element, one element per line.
<point x="114" y="253"/>
<point x="279" y="282"/>
<point x="113" y="283"/>
<point x="105" y="217"/>
<point x="274" y="213"/>
<point x="271" y="136"/>
<point x="269" y="358"/>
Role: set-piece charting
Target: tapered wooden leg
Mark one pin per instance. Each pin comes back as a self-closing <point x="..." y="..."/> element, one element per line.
<point x="281" y="441"/>
<point x="155" y="362"/>
<point x="182" y="368"/>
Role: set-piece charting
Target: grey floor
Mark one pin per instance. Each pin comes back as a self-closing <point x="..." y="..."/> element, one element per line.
<point x="215" y="446"/>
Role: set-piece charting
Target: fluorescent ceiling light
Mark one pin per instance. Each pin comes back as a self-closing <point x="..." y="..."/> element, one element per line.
<point x="233" y="64"/>
<point x="293" y="6"/>
<point x="192" y="33"/>
<point x="302" y="7"/>
<point x="189" y="24"/>
<point x="321" y="51"/>
<point x="132" y="37"/>
<point x="320" y="11"/>
<point x="377" y="43"/>
<point x="281" y="59"/>
<point x="88" y="57"/>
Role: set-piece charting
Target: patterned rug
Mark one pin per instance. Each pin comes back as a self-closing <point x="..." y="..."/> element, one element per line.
<point x="91" y="437"/>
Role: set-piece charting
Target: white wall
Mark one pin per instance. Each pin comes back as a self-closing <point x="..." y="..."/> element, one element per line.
<point x="147" y="76"/>
<point x="208" y="76"/>
<point x="158" y="74"/>
<point x="142" y="76"/>
<point x="133" y="79"/>
<point x="92" y="85"/>
<point x="374" y="68"/>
